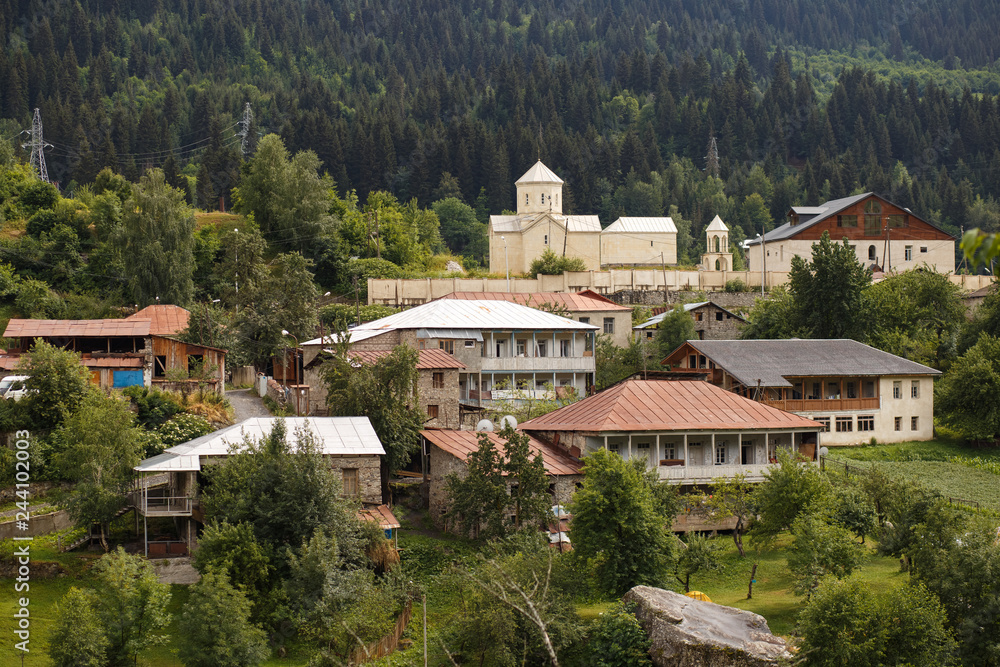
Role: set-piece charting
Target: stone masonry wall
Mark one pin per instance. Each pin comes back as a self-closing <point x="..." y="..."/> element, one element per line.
<point x="369" y="475"/>
<point x="445" y="398"/>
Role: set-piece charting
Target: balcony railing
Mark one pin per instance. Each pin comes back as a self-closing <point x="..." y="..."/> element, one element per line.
<point x="163" y="505"/>
<point x="702" y="474"/>
<point x="824" y="404"/>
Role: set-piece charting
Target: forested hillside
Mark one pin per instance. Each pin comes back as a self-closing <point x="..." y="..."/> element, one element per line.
<point x="621" y="98"/>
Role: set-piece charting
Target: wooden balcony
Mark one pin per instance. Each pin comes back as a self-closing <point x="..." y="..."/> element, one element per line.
<point x="824" y="404"/>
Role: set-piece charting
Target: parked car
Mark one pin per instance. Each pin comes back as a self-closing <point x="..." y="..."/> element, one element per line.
<point x="12" y="387"/>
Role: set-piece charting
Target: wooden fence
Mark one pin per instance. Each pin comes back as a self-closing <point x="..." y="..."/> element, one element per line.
<point x="387" y="644"/>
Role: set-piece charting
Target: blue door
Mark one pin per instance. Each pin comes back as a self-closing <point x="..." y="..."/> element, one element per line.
<point x="124" y="379"/>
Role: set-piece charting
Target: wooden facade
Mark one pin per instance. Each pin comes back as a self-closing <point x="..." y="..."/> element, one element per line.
<point x="868" y="219"/>
<point x="170" y="354"/>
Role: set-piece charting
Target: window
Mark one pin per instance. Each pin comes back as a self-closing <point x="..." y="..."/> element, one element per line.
<point x="817" y="391"/>
<point x="543" y="199"/>
<point x="470" y="343"/>
<point x="872" y="253"/>
<point x="897" y="220"/>
<point x="825" y="421"/>
<point x="897" y="389"/>
<point x="160" y="366"/>
<point x="613" y="447"/>
<point x="351" y="482"/>
<point x="833" y="390"/>
<point x="850" y="390"/>
<point x="546" y="240"/>
<point x="643" y="450"/>
<point x="520" y="348"/>
<point x="584" y="320"/>
<point x="447" y="345"/>
<point x="923" y="248"/>
<point x="609" y="325"/>
<point x="915" y="389"/>
<point x="868" y="389"/>
<point x="873" y="218"/>
<point x="432" y="412"/>
<point x="564" y="348"/>
<point x="866" y="422"/>
<point x="692" y="361"/>
<point x="847" y="221"/>
<point x="669" y="452"/>
<point x="543" y="348"/>
<point x="525" y="198"/>
<point x="720" y="454"/>
<point x="908" y="253"/>
<point x="718" y="316"/>
<point x="914" y="423"/>
<point x="845" y="424"/>
<point x="437" y="381"/>
<point x="797" y="391"/>
<point x="898" y="422"/>
<point x="697" y="317"/>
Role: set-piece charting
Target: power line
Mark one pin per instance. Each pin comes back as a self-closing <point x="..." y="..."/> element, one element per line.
<point x="38" y="146"/>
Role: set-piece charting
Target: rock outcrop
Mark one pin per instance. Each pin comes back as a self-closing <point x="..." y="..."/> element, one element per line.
<point x="692" y="633"/>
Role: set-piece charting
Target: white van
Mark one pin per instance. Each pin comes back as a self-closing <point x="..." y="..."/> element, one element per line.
<point x="12" y="387"/>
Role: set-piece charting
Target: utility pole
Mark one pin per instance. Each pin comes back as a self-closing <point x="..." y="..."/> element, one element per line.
<point x="378" y="238"/>
<point x="664" y="263"/>
<point x="244" y="132"/>
<point x="357" y="298"/>
<point x="37" y="145"/>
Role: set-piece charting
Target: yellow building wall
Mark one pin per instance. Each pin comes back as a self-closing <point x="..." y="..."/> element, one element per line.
<point x="638" y="248"/>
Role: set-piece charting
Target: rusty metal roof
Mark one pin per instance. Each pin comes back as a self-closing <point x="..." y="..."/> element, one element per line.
<point x="77" y="328"/>
<point x="165" y="320"/>
<point x="663" y="405"/>
<point x="462" y="443"/>
<point x="381" y="515"/>
<point x="580" y="301"/>
<point x="427" y="359"/>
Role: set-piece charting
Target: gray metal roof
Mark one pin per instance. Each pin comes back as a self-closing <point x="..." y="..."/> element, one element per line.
<point x="655" y="320"/>
<point x="643" y="225"/>
<point x="459" y="334"/>
<point x="817" y="213"/>
<point x="479" y="315"/>
<point x="516" y="223"/>
<point x="770" y="362"/>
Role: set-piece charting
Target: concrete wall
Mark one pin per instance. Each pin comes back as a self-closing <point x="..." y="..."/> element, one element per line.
<point x="40" y="524"/>
<point x="399" y="292"/>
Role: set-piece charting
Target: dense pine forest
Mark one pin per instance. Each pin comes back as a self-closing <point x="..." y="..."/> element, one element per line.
<point x="622" y="99"/>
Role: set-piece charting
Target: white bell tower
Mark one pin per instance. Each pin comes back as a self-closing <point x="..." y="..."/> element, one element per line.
<point x="539" y="191"/>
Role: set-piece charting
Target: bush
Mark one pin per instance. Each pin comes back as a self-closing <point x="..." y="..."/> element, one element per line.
<point x="550" y="264"/>
<point x="154" y="407"/>
<point x="618" y="640"/>
<point x="182" y="428"/>
<point x="736" y="285"/>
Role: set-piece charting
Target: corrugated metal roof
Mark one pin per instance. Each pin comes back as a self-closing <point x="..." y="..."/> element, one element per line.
<point x="717" y="225"/>
<point x="510" y="224"/>
<point x="568" y="300"/>
<point x="459" y="314"/>
<point x="457" y="334"/>
<point x="656" y="319"/>
<point x="652" y="405"/>
<point x="380" y="515"/>
<point x="165" y="320"/>
<point x="771" y="361"/>
<point x="538" y="173"/>
<point x="356" y="335"/>
<point x="167" y="462"/>
<point x="643" y="225"/>
<point x="427" y="359"/>
<point x="77" y="328"/>
<point x="462" y="443"/>
<point x="351" y="436"/>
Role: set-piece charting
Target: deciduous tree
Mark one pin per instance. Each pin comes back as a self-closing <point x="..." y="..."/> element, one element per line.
<point x="674" y="330"/>
<point x="216" y="626"/>
<point x="829" y="289"/>
<point x="966" y="397"/>
<point x="77" y="638"/>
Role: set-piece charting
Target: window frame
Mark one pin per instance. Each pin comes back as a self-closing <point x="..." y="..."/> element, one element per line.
<point x="609" y="325"/>
<point x="437" y="380"/>
<point x="350" y="478"/>
<point x="845" y="424"/>
<point x="866" y="423"/>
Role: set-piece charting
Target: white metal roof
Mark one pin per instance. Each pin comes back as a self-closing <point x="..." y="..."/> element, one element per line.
<point x="462" y="314"/>
<point x="646" y="225"/>
<point x="503" y="224"/>
<point x="539" y="173"/>
<point x="656" y="319"/>
<point x="717" y="225"/>
<point x="356" y="335"/>
<point x="349" y="436"/>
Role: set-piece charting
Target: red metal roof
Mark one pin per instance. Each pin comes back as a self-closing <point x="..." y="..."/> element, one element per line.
<point x="165" y="320"/>
<point x="427" y="359"/>
<point x="381" y="515"/>
<point x="462" y="443"/>
<point x="660" y="405"/>
<point x="77" y="328"/>
<point x="580" y="301"/>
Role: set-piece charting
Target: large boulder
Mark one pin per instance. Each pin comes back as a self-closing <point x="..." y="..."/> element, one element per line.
<point x="691" y="633"/>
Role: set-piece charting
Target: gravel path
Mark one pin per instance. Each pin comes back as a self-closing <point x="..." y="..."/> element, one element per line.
<point x="246" y="404"/>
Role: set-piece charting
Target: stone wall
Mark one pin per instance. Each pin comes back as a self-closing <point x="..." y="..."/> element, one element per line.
<point x="445" y="398"/>
<point x="369" y="475"/>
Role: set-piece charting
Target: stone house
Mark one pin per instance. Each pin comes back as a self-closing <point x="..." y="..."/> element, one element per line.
<point x="711" y="322"/>
<point x="884" y="236"/>
<point x="445" y="452"/>
<point x="855" y="391"/>
<point x="689" y="431"/>
<point x="168" y="483"/>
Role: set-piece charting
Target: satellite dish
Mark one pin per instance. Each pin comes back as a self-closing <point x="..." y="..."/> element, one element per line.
<point x="508" y="420"/>
<point x="485" y="425"/>
<point x="823" y="451"/>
